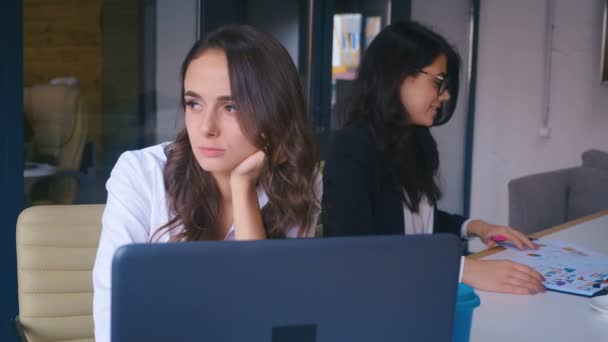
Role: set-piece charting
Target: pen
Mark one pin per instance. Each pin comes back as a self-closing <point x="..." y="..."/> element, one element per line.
<point x="501" y="238"/>
<point x="498" y="238"/>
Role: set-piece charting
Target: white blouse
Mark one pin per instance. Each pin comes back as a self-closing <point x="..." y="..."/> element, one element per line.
<point x="135" y="210"/>
<point x="422" y="223"/>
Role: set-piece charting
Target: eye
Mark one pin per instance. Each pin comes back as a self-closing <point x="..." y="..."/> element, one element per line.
<point x="194" y="105"/>
<point x="231" y="108"/>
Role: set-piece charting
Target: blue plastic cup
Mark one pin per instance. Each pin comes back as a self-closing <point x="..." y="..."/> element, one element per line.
<point x="467" y="300"/>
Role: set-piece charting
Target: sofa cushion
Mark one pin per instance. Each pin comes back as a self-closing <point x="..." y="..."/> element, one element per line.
<point x="596" y="159"/>
<point x="587" y="192"/>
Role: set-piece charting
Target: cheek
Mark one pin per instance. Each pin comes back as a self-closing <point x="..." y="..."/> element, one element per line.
<point x="188" y="122"/>
<point x="239" y="144"/>
<point x="413" y="99"/>
<point x="242" y="147"/>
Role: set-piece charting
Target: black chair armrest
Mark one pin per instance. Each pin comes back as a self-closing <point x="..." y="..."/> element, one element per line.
<point x="20" y="330"/>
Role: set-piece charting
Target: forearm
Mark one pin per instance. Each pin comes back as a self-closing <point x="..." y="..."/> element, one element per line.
<point x="476" y="228"/>
<point x="247" y="215"/>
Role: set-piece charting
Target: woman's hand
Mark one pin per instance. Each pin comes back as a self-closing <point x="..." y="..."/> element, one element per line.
<point x="486" y="231"/>
<point x="502" y="276"/>
<point x="248" y="171"/>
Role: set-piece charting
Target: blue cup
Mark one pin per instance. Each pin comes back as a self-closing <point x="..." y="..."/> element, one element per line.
<point x="467" y="300"/>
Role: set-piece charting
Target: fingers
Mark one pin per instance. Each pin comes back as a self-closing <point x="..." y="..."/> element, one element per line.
<point x="529" y="271"/>
<point x="523" y="238"/>
<point x="502" y="276"/>
<point x="260" y="156"/>
<point x="521" y="284"/>
<point x="523" y="277"/>
<point x="517" y="238"/>
<point x="248" y="171"/>
<point x="511" y="236"/>
<point x="255" y="160"/>
<point x="527" y="281"/>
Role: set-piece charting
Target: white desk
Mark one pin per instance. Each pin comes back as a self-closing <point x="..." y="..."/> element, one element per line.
<point x="549" y="316"/>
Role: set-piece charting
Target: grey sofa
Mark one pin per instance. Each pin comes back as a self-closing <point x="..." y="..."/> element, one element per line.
<point x="547" y="199"/>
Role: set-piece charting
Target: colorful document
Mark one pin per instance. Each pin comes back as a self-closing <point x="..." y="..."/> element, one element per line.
<point x="565" y="266"/>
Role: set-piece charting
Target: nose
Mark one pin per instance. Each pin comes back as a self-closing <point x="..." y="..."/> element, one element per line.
<point x="209" y="123"/>
<point x="445" y="96"/>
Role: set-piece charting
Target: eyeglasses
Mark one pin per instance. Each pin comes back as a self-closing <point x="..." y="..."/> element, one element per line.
<point x="442" y="82"/>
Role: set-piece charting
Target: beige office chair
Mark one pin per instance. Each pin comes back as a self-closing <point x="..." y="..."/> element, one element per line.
<point x="56" y="248"/>
<point x="58" y="117"/>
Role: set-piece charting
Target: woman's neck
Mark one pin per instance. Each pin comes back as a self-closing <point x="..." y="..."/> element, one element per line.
<point x="225" y="218"/>
<point x="223" y="183"/>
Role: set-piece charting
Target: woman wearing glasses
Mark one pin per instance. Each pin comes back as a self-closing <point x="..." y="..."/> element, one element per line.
<point x="381" y="174"/>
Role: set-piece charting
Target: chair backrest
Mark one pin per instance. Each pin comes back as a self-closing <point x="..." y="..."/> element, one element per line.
<point x="58" y="117"/>
<point x="547" y="199"/>
<point x="538" y="201"/>
<point x="588" y="186"/>
<point x="56" y="248"/>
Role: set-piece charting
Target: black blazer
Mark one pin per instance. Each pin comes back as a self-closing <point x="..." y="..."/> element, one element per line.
<point x="359" y="194"/>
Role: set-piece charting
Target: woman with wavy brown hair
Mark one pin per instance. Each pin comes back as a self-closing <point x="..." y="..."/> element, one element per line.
<point x="245" y="166"/>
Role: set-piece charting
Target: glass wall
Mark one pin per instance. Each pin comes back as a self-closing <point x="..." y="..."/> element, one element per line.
<point x="100" y="77"/>
<point x="355" y="24"/>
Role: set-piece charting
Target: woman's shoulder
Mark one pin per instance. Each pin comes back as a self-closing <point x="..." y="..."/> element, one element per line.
<point x="141" y="170"/>
<point x="360" y="132"/>
<point x="147" y="160"/>
<point x="355" y="139"/>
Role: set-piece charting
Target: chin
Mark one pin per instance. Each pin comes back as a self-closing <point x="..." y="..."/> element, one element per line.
<point x="215" y="166"/>
<point x="428" y="123"/>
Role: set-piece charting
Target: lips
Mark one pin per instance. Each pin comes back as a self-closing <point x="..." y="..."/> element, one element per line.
<point x="435" y="111"/>
<point x="211" y="152"/>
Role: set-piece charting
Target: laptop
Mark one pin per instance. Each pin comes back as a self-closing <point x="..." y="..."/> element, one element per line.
<point x="373" y="288"/>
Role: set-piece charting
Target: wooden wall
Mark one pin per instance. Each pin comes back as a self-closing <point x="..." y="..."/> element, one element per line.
<point x="63" y="38"/>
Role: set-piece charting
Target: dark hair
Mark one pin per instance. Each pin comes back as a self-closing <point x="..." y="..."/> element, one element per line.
<point x="266" y="88"/>
<point x="401" y="50"/>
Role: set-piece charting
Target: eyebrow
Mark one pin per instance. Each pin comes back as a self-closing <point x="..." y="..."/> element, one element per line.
<point x="192" y="94"/>
<point x="198" y="96"/>
<point x="225" y="98"/>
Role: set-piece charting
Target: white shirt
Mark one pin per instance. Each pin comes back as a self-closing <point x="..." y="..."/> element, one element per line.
<point x="135" y="210"/>
<point x="422" y="223"/>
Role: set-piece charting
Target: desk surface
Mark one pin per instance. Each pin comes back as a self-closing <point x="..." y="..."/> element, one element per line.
<point x="550" y="316"/>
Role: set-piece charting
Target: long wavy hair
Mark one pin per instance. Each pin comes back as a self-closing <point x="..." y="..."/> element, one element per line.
<point x="272" y="114"/>
<point x="399" y="51"/>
